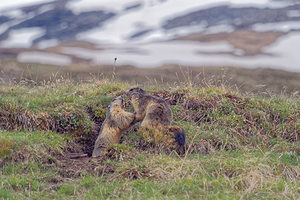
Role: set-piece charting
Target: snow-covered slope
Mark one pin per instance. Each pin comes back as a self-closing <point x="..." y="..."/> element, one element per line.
<point x="174" y="6"/>
<point x="143" y="31"/>
<point x="6" y="5"/>
<point x="115" y="21"/>
<point x="145" y="20"/>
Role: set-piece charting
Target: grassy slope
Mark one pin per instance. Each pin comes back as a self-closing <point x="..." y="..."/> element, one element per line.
<point x="260" y="80"/>
<point x="237" y="146"/>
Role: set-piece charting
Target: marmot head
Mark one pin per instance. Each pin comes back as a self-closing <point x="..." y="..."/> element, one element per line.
<point x="135" y="91"/>
<point x="117" y="102"/>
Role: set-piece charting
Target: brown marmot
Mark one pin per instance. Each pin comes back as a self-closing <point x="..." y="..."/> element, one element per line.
<point x="155" y="113"/>
<point x="116" y="122"/>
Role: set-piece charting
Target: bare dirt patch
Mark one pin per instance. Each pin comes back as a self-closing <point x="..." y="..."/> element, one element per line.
<point x="70" y="168"/>
<point x="250" y="42"/>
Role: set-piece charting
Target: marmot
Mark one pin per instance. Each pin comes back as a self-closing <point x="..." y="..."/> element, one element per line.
<point x="155" y="113"/>
<point x="116" y="122"/>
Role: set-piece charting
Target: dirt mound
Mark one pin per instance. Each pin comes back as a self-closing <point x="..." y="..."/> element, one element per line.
<point x="74" y="167"/>
<point x="243" y="122"/>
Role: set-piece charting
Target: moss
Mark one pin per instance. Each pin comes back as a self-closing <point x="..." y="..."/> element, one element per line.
<point x="99" y="112"/>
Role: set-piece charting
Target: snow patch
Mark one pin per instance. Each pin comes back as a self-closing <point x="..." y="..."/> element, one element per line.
<point x="222" y="28"/>
<point x="117" y="5"/>
<point x="293" y="13"/>
<point x="281" y="55"/>
<point x="149" y="55"/>
<point x="45" y="8"/>
<point x="278" y="26"/>
<point x="20" y="3"/>
<point x="44" y="58"/>
<point x="3" y="27"/>
<point x="91" y="5"/>
<point x="14" y="14"/>
<point x="44" y="44"/>
<point x="150" y="16"/>
<point x="182" y="31"/>
<point x="22" y="38"/>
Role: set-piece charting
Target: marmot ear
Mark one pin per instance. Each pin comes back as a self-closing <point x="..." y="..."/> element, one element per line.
<point x="141" y="90"/>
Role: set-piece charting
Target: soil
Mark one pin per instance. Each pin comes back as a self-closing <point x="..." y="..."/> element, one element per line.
<point x="69" y="167"/>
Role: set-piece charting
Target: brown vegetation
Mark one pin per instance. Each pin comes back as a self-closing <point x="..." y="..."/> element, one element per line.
<point x="251" y="42"/>
<point x="260" y="80"/>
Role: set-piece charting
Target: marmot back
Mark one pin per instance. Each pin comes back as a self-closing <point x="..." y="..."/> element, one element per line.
<point x="155" y="113"/>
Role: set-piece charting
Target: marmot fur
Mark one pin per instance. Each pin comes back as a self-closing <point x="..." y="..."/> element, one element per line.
<point x="154" y="112"/>
<point x="116" y="122"/>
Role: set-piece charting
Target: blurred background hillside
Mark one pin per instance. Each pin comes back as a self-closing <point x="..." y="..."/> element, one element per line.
<point x="250" y="43"/>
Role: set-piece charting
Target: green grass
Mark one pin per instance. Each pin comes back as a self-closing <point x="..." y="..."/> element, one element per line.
<point x="238" y="146"/>
<point x="224" y="174"/>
